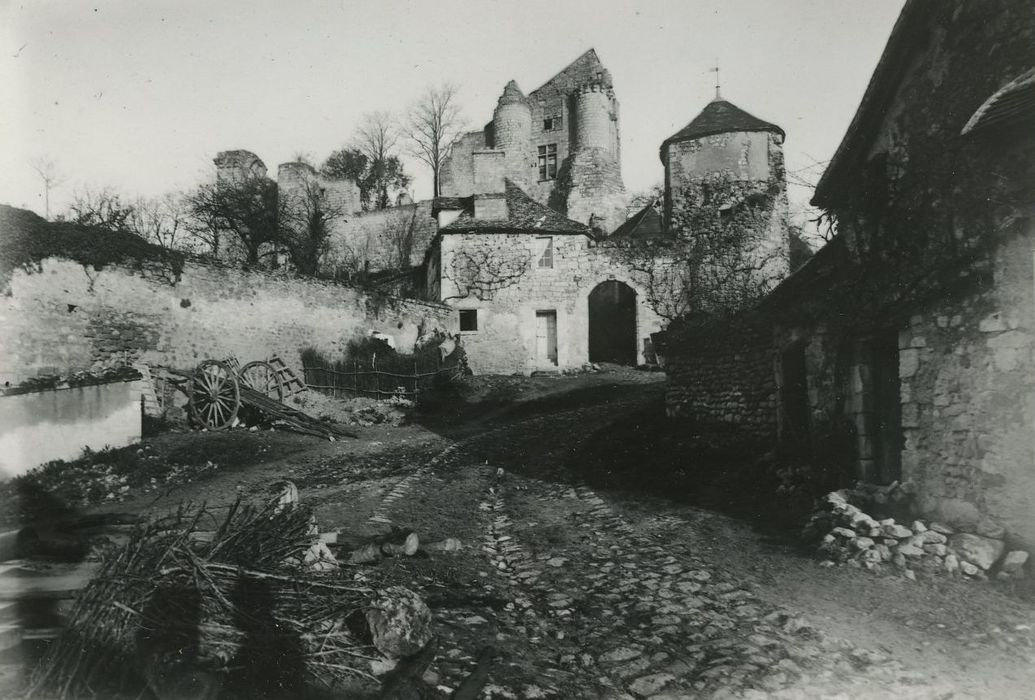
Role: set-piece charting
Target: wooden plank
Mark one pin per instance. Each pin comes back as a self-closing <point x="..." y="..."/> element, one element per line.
<point x="10" y="636"/>
<point x="53" y="585"/>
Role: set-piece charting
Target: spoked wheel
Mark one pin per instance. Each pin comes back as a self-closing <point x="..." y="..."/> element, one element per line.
<point x="261" y="377"/>
<point x="215" y="396"/>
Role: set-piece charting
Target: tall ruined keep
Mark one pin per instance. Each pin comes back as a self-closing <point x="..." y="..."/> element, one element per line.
<point x="561" y="143"/>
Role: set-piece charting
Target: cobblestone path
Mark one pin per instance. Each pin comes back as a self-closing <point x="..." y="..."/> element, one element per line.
<point x="585" y="598"/>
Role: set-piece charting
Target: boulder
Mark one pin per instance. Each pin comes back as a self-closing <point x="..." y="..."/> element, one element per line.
<point x="952" y="563"/>
<point x="980" y="551"/>
<point x="399" y="622"/>
<point x="909" y="550"/>
<point x="843" y="532"/>
<point x="895" y="530"/>
<point x="919" y="527"/>
<point x="932" y="537"/>
<point x="939" y="527"/>
<point x="1013" y="563"/>
<point x="989" y="528"/>
<point x="861" y="543"/>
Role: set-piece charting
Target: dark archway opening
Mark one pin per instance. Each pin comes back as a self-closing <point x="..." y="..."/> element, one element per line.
<point x="612" y="323"/>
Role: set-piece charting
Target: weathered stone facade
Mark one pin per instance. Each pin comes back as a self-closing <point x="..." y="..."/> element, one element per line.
<point x="66" y="317"/>
<point x="912" y="334"/>
<point x="506" y="262"/>
<point x="561" y="144"/>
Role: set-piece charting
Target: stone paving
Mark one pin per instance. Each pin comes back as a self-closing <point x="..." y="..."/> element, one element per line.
<point x="611" y="608"/>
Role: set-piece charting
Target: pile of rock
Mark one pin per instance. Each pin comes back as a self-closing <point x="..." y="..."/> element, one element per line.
<point x="848" y="535"/>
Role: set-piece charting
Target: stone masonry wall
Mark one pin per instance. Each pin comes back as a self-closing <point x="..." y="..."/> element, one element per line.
<point x="721" y="378"/>
<point x="67" y="318"/>
<point x="968" y="409"/>
<point x="376" y="238"/>
<point x="505" y="341"/>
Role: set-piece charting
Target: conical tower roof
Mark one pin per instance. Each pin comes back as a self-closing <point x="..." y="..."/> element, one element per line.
<point x="719" y="117"/>
<point x="512" y="94"/>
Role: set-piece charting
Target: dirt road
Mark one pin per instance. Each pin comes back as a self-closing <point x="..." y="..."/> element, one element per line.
<point x="591" y="593"/>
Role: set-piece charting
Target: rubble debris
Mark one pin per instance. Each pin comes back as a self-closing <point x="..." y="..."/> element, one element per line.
<point x="846" y="534"/>
<point x="176" y="608"/>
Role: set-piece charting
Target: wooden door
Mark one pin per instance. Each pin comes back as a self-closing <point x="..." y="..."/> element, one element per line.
<point x="546" y="337"/>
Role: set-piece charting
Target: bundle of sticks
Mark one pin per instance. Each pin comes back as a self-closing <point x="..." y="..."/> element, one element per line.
<point x="186" y="617"/>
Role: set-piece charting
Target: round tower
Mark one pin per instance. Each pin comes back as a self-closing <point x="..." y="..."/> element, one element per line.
<point x="595" y="107"/>
<point x="512" y="129"/>
<point x="595" y="188"/>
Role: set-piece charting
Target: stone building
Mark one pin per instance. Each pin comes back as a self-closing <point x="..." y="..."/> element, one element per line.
<point x="561" y="144"/>
<point x="724" y="144"/>
<point x="909" y="339"/>
<point x="533" y="289"/>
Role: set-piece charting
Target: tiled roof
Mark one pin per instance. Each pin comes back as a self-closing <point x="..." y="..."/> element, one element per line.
<point x="719" y="117"/>
<point x="1012" y="104"/>
<point x="646" y="223"/>
<point x="524" y="215"/>
<point x="583" y="69"/>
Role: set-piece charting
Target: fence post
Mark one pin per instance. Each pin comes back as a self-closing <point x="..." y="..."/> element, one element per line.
<point x="377" y="377"/>
<point x="416" y="378"/>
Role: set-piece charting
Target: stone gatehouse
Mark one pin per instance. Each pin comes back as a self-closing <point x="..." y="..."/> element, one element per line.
<point x="534" y="290"/>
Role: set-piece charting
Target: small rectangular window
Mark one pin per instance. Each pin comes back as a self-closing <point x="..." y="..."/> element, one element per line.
<point x="469" y="319"/>
<point x="545" y="252"/>
<point x="548" y="162"/>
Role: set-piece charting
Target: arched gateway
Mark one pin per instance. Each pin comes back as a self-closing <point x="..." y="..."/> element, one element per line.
<point x="612" y="323"/>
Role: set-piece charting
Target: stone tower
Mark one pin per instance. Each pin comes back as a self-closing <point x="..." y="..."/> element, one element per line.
<point x="512" y="132"/>
<point x="560" y="144"/>
<point x="595" y="188"/>
<point x="236" y="166"/>
<point x="724" y="141"/>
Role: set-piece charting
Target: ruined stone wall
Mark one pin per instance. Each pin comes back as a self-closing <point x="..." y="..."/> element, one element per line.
<point x="505" y="341"/>
<point x="596" y="191"/>
<point x="376" y="240"/>
<point x="66" y="317"/>
<point x="721" y="378"/>
<point x="457" y="175"/>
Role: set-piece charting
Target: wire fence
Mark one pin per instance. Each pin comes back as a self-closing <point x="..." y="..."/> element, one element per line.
<point x="362" y="380"/>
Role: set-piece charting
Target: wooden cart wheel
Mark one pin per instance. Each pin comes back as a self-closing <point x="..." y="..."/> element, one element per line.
<point x="215" y="396"/>
<point x="263" y="378"/>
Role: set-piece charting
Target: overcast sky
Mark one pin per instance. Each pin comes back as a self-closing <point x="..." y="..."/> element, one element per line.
<point x="139" y="95"/>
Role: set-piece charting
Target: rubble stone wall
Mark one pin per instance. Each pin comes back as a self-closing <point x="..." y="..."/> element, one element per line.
<point x="66" y="318"/>
<point x="721" y="378"/>
<point x="968" y="409"/>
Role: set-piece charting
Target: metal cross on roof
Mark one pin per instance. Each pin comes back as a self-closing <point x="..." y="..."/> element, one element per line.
<point x="715" y="70"/>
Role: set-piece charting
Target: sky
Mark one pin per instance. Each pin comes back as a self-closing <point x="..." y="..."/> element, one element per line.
<point x="139" y="95"/>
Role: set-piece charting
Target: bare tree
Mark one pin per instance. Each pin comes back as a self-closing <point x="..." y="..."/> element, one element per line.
<point x="434" y="125"/>
<point x="48" y="171"/>
<point x="307" y="214"/>
<point x="103" y="208"/>
<point x="249" y="210"/>
<point x="399" y="234"/>
<point x="163" y="221"/>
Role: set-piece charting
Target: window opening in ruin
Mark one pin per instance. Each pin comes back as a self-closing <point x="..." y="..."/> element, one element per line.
<point x="545" y="252"/>
<point x="887" y="408"/>
<point x="612" y="323"/>
<point x="548" y="162"/>
<point x="546" y="337"/>
<point x="553" y="123"/>
<point x="794" y="392"/>
<point x="468" y="320"/>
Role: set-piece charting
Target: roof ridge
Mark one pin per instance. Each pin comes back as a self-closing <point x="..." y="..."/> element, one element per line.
<point x="590" y="52"/>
